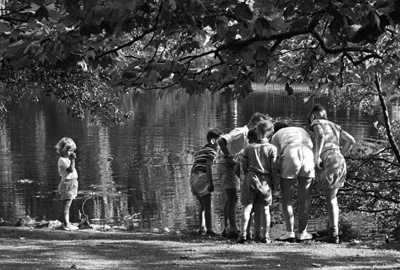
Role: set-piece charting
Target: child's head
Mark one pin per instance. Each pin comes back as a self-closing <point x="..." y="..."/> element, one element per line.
<point x="265" y="129"/>
<point x="64" y="145"/>
<point x="279" y="125"/>
<point x="317" y="112"/>
<point x="255" y="118"/>
<point x="212" y="137"/>
<point x="252" y="135"/>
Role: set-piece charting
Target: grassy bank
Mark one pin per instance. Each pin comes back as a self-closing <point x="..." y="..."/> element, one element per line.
<point x="24" y="248"/>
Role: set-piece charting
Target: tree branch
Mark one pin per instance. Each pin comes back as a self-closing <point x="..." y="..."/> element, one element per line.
<point x="344" y="49"/>
<point x="385" y="113"/>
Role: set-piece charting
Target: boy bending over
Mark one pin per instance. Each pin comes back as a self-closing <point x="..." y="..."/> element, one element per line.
<point x="201" y="182"/>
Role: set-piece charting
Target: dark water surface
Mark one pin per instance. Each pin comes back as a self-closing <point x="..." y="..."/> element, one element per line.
<point x="136" y="175"/>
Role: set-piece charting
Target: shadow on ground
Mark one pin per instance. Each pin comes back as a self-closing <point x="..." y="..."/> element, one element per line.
<point x="51" y="249"/>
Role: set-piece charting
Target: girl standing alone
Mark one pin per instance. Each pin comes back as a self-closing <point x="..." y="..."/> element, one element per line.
<point x="68" y="187"/>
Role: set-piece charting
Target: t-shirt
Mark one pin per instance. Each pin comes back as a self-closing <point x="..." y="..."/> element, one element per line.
<point x="200" y="160"/>
<point x="236" y="140"/>
<point x="331" y="133"/>
<point x="63" y="164"/>
<point x="260" y="156"/>
<point x="291" y="135"/>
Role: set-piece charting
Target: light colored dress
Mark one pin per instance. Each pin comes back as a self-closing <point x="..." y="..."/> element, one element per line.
<point x="68" y="187"/>
<point x="334" y="170"/>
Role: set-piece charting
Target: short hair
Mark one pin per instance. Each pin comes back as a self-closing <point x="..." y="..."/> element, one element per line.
<point x="64" y="145"/>
<point x="264" y="127"/>
<point x="257" y="117"/>
<point x="280" y="125"/>
<point x="252" y="135"/>
<point x="318" y="111"/>
<point x="214" y="133"/>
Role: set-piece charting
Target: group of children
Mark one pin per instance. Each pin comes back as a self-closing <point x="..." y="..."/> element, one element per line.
<point x="265" y="155"/>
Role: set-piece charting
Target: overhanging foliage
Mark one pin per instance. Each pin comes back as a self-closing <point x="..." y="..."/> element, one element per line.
<point x="84" y="52"/>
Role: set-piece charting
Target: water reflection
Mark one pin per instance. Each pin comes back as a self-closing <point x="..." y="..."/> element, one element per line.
<point x="136" y="175"/>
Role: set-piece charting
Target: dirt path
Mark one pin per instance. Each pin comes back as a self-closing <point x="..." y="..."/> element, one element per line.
<point x="23" y="249"/>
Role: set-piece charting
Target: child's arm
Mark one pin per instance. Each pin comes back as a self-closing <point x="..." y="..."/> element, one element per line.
<point x="347" y="142"/>
<point x="209" y="175"/>
<point x="319" y="143"/>
<point x="223" y="146"/>
<point x="237" y="169"/>
<point x="274" y="167"/>
<point x="245" y="162"/>
<point x="71" y="168"/>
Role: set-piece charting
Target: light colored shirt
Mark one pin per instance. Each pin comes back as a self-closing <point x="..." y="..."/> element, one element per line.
<point x="236" y="140"/>
<point x="260" y="157"/>
<point x="331" y="134"/>
<point x="63" y="164"/>
<point x="291" y="135"/>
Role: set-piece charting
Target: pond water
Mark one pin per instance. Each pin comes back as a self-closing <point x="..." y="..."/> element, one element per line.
<point x="136" y="175"/>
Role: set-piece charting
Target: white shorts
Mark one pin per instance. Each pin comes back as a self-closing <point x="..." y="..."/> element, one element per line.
<point x="297" y="160"/>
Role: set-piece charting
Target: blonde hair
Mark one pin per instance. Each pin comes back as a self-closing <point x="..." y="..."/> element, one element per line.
<point x="64" y="145"/>
<point x="265" y="128"/>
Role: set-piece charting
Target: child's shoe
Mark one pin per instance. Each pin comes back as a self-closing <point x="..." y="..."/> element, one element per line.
<point x="329" y="239"/>
<point x="233" y="235"/>
<point x="265" y="240"/>
<point x="305" y="236"/>
<point x="288" y="237"/>
<point x="224" y="233"/>
<point x="248" y="237"/>
<point x="211" y="233"/>
<point x="70" y="227"/>
<point x="241" y="239"/>
<point x="201" y="232"/>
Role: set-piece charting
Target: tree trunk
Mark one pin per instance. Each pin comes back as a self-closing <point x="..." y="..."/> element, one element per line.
<point x="389" y="134"/>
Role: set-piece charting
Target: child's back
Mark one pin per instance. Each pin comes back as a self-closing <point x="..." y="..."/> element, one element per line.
<point x="261" y="156"/>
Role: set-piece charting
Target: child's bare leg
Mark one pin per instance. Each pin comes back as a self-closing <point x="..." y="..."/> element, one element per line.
<point x="287" y="205"/>
<point x="304" y="202"/>
<point x="201" y="214"/>
<point x="258" y="209"/>
<point x="226" y="219"/>
<point x="248" y="231"/>
<point x="66" y="204"/>
<point x="206" y="202"/>
<point x="246" y="217"/>
<point x="333" y="210"/>
<point x="232" y="199"/>
<point x="266" y="221"/>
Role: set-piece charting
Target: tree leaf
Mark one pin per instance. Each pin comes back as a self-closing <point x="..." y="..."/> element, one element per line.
<point x="209" y="21"/>
<point x="4" y="27"/>
<point x="262" y="53"/>
<point x="39" y="2"/>
<point x="242" y="11"/>
<point x="41" y="13"/>
<point x="261" y="25"/>
<point x="190" y="86"/>
<point x="299" y="24"/>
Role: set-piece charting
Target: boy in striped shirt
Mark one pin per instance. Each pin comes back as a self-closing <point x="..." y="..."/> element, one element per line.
<point x="201" y="182"/>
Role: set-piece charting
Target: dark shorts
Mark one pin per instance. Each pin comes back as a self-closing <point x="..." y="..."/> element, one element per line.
<point x="68" y="189"/>
<point x="334" y="170"/>
<point x="199" y="184"/>
<point x="256" y="189"/>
